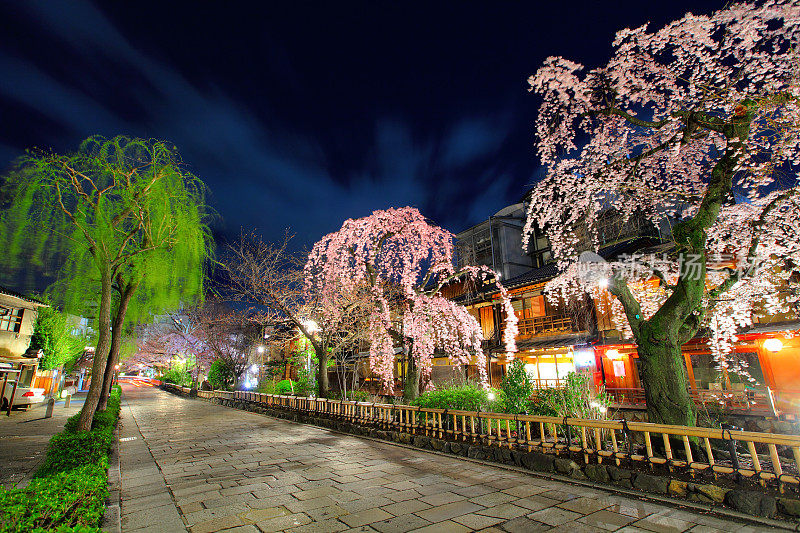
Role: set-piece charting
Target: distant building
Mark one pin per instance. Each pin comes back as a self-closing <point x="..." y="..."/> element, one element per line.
<point x="496" y="243"/>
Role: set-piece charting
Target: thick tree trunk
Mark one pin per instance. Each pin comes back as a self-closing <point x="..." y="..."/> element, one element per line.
<point x="411" y="391"/>
<point x="663" y="374"/>
<point x="116" y="340"/>
<point x="322" y="373"/>
<point x="660" y="338"/>
<point x="100" y="353"/>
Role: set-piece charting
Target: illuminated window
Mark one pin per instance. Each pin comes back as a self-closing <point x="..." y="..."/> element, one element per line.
<point x="10" y="319"/>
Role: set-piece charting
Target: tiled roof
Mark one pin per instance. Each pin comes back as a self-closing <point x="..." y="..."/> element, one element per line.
<point x="533" y="276"/>
<point x="775" y="327"/>
<point x="549" y="271"/>
<point x="627" y="247"/>
<point x="15" y="294"/>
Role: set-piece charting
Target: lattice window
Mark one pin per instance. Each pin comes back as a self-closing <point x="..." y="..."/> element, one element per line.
<point x="10" y="319"/>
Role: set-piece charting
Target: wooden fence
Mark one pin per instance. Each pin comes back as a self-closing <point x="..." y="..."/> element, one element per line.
<point x="767" y="457"/>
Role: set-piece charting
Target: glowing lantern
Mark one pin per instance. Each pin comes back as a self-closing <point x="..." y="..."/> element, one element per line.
<point x="773" y="345"/>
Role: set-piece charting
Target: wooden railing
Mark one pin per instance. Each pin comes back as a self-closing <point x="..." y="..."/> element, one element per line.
<point x="730" y="400"/>
<point x="544" y="324"/>
<point x="766" y="457"/>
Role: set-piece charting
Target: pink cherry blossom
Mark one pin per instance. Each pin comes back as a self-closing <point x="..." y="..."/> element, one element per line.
<point x="642" y="134"/>
<point x="405" y="261"/>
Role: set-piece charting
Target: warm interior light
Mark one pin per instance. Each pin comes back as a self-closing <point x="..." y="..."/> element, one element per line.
<point x="613" y="354"/>
<point x="311" y="326"/>
<point x="773" y="345"/>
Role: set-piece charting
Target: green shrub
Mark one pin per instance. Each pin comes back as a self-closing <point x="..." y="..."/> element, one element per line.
<point x="544" y="401"/>
<point x="102" y="419"/>
<point x="517" y="388"/>
<point x="266" y="387"/>
<point x="576" y="399"/>
<point x="68" y="492"/>
<point x="305" y="387"/>
<point x="285" y="386"/>
<point x="356" y="396"/>
<point x="177" y="375"/>
<point x="464" y="397"/>
<point x="73" y="450"/>
<point x="220" y="375"/>
<point x="76" y="499"/>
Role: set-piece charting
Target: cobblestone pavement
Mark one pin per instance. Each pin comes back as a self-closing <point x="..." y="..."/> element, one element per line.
<point x="24" y="436"/>
<point x="231" y="470"/>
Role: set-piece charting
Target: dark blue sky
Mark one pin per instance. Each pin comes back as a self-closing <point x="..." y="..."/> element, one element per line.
<point x="302" y="114"/>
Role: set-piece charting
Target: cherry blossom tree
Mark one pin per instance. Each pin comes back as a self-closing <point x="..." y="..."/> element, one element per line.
<point x="154" y="347"/>
<point x="269" y="278"/>
<point x="695" y="126"/>
<point x="181" y="333"/>
<point x="404" y="261"/>
<point x="227" y="335"/>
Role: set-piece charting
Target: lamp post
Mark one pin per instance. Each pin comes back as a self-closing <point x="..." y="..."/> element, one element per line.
<point x="312" y="327"/>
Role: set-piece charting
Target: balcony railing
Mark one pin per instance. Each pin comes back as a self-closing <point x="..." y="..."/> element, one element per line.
<point x="728" y="400"/>
<point x="539" y="325"/>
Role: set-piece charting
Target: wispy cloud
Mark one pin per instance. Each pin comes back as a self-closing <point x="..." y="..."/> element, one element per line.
<point x="264" y="173"/>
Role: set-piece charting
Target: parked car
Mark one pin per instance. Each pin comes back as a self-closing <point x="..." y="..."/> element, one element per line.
<point x="25" y="396"/>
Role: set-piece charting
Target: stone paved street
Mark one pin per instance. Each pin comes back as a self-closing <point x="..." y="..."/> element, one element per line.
<point x="187" y="464"/>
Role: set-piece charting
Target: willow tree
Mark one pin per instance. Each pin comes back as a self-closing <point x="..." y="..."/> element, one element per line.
<point x="694" y="125"/>
<point x="119" y="215"/>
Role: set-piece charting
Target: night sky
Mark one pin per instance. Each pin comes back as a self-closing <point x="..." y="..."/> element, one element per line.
<point x="301" y="114"/>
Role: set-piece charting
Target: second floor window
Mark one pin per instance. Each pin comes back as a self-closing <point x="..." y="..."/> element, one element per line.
<point x="10" y="319"/>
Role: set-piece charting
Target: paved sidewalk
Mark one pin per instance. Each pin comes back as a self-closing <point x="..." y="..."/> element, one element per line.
<point x="146" y="502"/>
<point x="24" y="436"/>
<point x="230" y="470"/>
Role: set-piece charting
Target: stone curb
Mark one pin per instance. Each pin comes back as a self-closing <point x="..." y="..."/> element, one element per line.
<point x="112" y="519"/>
<point x="694" y="505"/>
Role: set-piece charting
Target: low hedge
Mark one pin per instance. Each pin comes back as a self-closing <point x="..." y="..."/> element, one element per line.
<point x="72" y="499"/>
<point x="463" y="397"/>
<point x="68" y="492"/>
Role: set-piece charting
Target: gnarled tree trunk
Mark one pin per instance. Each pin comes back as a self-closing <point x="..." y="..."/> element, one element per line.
<point x="116" y="340"/>
<point x="411" y="386"/>
<point x="100" y="353"/>
<point x="663" y="375"/>
<point x="322" y="372"/>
